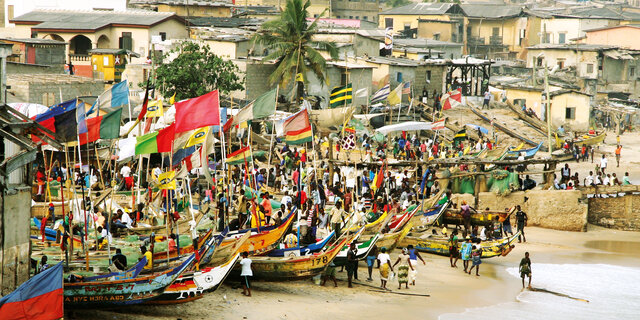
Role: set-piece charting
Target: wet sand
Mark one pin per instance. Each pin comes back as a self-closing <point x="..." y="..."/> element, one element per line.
<point x="450" y="290"/>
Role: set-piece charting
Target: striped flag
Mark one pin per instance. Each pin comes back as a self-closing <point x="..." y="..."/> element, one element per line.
<point x="406" y="88"/>
<point x="239" y="156"/>
<point x="297" y="129"/>
<point x="341" y="96"/>
<point x="438" y="125"/>
<point x="381" y="94"/>
<point x="116" y="96"/>
<point x="451" y="99"/>
<point x="40" y="297"/>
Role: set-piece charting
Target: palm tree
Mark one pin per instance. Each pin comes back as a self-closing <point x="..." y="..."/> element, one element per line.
<point x="290" y="42"/>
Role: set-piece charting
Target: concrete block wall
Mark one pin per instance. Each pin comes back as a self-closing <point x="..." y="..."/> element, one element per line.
<point x="14" y="244"/>
<point x="616" y="212"/>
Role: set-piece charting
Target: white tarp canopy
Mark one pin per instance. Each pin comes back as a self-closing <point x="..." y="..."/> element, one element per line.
<point x="406" y="126"/>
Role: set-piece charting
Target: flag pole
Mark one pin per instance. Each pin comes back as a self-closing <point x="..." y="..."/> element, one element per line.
<point x="273" y="133"/>
<point x="223" y="151"/>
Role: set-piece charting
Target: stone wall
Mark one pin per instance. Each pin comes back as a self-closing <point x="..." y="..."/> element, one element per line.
<point x="14" y="244"/>
<point x="552" y="209"/>
<point x="616" y="212"/>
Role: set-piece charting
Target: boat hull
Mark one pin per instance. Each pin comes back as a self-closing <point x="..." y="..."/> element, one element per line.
<point x="440" y="246"/>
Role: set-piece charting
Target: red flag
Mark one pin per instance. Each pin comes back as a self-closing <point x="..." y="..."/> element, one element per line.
<point x="198" y="112"/>
<point x="39" y="298"/>
<point x="93" y="124"/>
<point x="145" y="102"/>
<point x="164" y="139"/>
<point x="227" y="125"/>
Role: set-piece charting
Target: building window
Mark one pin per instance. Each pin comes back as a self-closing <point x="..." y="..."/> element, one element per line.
<point x="496" y="31"/>
<point x="589" y="67"/>
<point x="365" y="18"/>
<point x="316" y="15"/>
<point x="436" y="36"/>
<point x="539" y="62"/>
<point x="407" y="27"/>
<point x="562" y="37"/>
<point x="163" y="36"/>
<point x="357" y="17"/>
<point x="125" y="41"/>
<point x="632" y="72"/>
<point x="547" y="38"/>
<point x="560" y="63"/>
<point x="399" y="77"/>
<point x="388" y="22"/>
<point x="343" y="79"/>
<point x="350" y="17"/>
<point x="428" y="75"/>
<point x="570" y="113"/>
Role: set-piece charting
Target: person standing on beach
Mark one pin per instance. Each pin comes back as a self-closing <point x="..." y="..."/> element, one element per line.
<point x="403" y="270"/>
<point x="476" y="259"/>
<point x="506" y="224"/>
<point x="246" y="274"/>
<point x="414" y="255"/>
<point x="521" y="220"/>
<point x="525" y="269"/>
<point x="603" y="163"/>
<point x="618" y="150"/>
<point x="453" y="249"/>
<point x="352" y="262"/>
<point x="371" y="259"/>
<point x="465" y="252"/>
<point x="385" y="267"/>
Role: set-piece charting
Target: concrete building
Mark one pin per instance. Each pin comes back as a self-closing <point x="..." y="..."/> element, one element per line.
<point x="37" y="52"/>
<point x="49" y="89"/>
<point x="85" y="30"/>
<point x="406" y="18"/>
<point x="494" y="30"/>
<point x="342" y="9"/>
<point x="185" y="8"/>
<point x="625" y="36"/>
<point x="420" y="49"/>
<point x="16" y="8"/>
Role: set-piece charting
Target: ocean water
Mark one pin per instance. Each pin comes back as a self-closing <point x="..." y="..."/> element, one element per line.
<point x="613" y="292"/>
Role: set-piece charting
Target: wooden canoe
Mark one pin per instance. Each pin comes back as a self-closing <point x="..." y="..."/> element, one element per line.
<point x="590" y="140"/>
<point x="222" y="254"/>
<point x="183" y="224"/>
<point x="193" y="285"/>
<point x="184" y="250"/>
<point x="528" y="153"/>
<point x="287" y="268"/>
<point x="262" y="241"/>
<point x="370" y="226"/>
<point x="478" y="218"/>
<point x="304" y="250"/>
<point x="129" y="291"/>
<point x="427" y="219"/>
<point x="390" y="240"/>
<point x="327" y="118"/>
<point x="39" y="209"/>
<point x="399" y="221"/>
<point x="440" y="245"/>
<point x="362" y="250"/>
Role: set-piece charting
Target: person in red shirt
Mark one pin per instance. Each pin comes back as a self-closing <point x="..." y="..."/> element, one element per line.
<point x="266" y="204"/>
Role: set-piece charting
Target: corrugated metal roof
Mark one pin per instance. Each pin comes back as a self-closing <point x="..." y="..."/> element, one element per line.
<point x="491" y="10"/>
<point x="578" y="46"/>
<point x="66" y="19"/>
<point x="34" y="41"/>
<point x="426" y="8"/>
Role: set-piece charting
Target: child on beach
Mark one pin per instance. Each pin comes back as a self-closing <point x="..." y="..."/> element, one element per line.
<point x="476" y="260"/>
<point x="246" y="274"/>
<point x="525" y="269"/>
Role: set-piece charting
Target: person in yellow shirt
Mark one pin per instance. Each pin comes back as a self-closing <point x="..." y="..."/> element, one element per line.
<point x="149" y="256"/>
<point x="259" y="216"/>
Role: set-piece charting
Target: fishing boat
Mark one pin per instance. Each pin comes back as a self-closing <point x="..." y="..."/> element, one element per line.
<point x="378" y="121"/>
<point x="528" y="153"/>
<point x="590" y="140"/>
<point x="263" y="239"/>
<point x="399" y="221"/>
<point x="183" y="224"/>
<point x="221" y="254"/>
<point x="562" y="155"/>
<point x="293" y="268"/>
<point x="109" y="293"/>
<point x="390" y="240"/>
<point x="362" y="250"/>
<point x="422" y="220"/>
<point x="40" y="209"/>
<point x="50" y="234"/>
<point x="184" y="250"/>
<point x="304" y="250"/>
<point x="440" y="245"/>
<point x="478" y="218"/>
<point x="371" y="225"/>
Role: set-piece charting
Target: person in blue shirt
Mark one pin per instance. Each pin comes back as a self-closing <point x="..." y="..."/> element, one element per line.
<point x="465" y="251"/>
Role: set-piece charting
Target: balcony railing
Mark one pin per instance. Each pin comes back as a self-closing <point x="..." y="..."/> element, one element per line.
<point x="476" y="41"/>
<point x="495" y="40"/>
<point x="79" y="57"/>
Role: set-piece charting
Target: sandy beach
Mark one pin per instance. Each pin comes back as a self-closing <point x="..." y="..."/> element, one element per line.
<point x="450" y="290"/>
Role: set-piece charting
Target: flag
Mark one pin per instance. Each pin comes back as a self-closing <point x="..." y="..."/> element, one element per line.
<point x="451" y="99"/>
<point x="351" y="130"/>
<point x="460" y="136"/>
<point x="349" y="142"/>
<point x="165" y="137"/>
<point x="167" y="181"/>
<point x="126" y="148"/>
<point x="57" y="109"/>
<point x="116" y="96"/>
<point x="438" y="125"/>
<point x="81" y="118"/>
<point x="299" y="77"/>
<point x="362" y="93"/>
<point x="172" y="100"/>
<point x="297" y="129"/>
<point x="340" y="96"/>
<point x="198" y="112"/>
<point x="197" y="137"/>
<point x="145" y="103"/>
<point x="39" y="298"/>
<point x="155" y="109"/>
<point x="406" y="88"/>
<point x="378" y="179"/>
<point x="381" y="94"/>
<point x="395" y="97"/>
<point x="66" y="126"/>
<point x="147" y="143"/>
<point x="239" y="156"/>
<point x="193" y="160"/>
<point x="102" y="127"/>
<point x="262" y="107"/>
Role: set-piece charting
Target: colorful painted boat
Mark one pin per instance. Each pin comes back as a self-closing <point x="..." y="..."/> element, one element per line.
<point x="371" y="225"/>
<point x="327" y="118"/>
<point x="362" y="250"/>
<point x="183" y="224"/>
<point x="399" y="221"/>
<point x="528" y="153"/>
<point x="427" y="219"/>
<point x="390" y="240"/>
<point x="186" y="250"/>
<point x="440" y="245"/>
<point x="478" y="218"/>
<point x="129" y="291"/>
<point x="288" y="268"/>
<point x="39" y="209"/>
<point x="302" y="251"/>
<point x="49" y="233"/>
<point x="264" y="240"/>
<point x="222" y="254"/>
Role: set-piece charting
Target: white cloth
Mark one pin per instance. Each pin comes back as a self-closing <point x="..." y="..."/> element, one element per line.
<point x="126" y="219"/>
<point x="246" y="267"/>
<point x="125" y="171"/>
<point x="384" y="258"/>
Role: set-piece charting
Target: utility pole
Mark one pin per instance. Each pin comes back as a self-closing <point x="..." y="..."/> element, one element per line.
<point x="548" y="108"/>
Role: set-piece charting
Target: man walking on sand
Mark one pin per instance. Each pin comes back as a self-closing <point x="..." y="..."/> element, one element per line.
<point x="603" y="163"/>
<point x="521" y="220"/>
<point x="246" y="274"/>
<point x="525" y="269"/>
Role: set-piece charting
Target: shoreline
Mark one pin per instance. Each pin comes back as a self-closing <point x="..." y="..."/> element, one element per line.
<point x="450" y="290"/>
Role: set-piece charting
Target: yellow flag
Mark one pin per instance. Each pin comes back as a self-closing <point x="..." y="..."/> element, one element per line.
<point x="299" y="77"/>
<point x="167" y="180"/>
<point x="395" y="96"/>
<point x="172" y="100"/>
<point x="197" y="137"/>
<point x="154" y="109"/>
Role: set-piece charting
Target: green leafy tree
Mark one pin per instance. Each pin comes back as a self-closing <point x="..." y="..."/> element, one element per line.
<point x="290" y="42"/>
<point x="196" y="71"/>
<point x="398" y="3"/>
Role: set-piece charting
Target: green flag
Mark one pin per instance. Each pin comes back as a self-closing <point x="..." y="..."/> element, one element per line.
<point x="340" y="96"/>
<point x="147" y="144"/>
<point x="262" y="107"/>
<point x="110" y="125"/>
<point x="460" y="136"/>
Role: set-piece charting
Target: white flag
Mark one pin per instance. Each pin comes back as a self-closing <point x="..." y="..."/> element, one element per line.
<point x="362" y="93"/>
